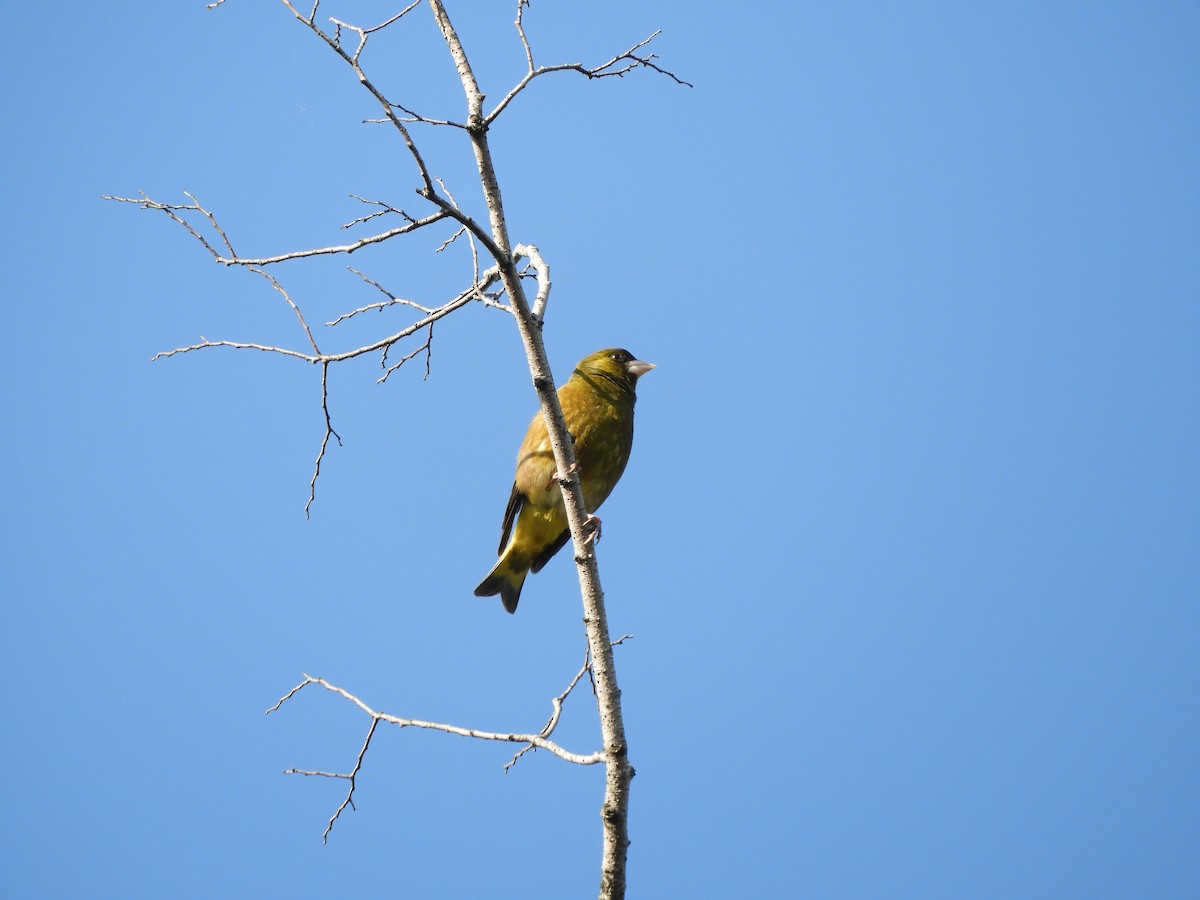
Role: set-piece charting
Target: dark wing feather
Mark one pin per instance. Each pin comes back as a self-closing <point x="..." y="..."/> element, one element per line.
<point x="515" y="501"/>
<point x="544" y="557"/>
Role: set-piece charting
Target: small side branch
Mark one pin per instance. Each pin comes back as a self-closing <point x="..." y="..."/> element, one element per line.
<point x="557" y="703"/>
<point x="329" y="432"/>
<point x="363" y="33"/>
<point x="178" y="211"/>
<point x="392" y="300"/>
<point x="384" y="209"/>
<point x="618" y="66"/>
<point x="426" y="348"/>
<point x="477" y="291"/>
<point x="580" y="759"/>
<point x="352" y="58"/>
<point x="542" y="270"/>
<point x="539" y="741"/>
<point x="351" y="776"/>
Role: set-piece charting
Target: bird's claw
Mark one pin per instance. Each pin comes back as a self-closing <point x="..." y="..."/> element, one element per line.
<point x="572" y="469"/>
<point x="592" y="527"/>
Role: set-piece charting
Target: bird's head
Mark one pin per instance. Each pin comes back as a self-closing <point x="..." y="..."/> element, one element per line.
<point x="614" y="364"/>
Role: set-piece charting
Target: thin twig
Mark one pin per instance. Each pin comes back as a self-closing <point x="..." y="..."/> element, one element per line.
<point x="411" y="116"/>
<point x="538" y="741"/>
<point x="334" y="42"/>
<point x="351" y="776"/>
<point x="364" y="33"/>
<point x="508" y="737"/>
<point x="329" y="432"/>
<point x="618" y="67"/>
<point x="385" y="209"/>
<point x="174" y="210"/>
<point x="392" y="300"/>
<point x="470" y="236"/>
<point x="296" y="309"/>
<point x="427" y="347"/>
<point x="477" y="291"/>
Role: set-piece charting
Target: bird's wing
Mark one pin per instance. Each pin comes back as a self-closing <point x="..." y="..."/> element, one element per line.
<point x="515" y="500"/>
<point x="535" y="467"/>
<point x="544" y="557"/>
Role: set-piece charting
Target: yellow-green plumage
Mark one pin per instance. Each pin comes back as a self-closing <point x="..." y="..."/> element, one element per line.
<point x="597" y="403"/>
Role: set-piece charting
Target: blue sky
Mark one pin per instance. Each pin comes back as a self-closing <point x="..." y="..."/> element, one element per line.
<point x="909" y="538"/>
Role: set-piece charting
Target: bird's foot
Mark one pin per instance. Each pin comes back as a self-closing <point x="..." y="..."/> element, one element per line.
<point x="565" y="478"/>
<point x="592" y="527"/>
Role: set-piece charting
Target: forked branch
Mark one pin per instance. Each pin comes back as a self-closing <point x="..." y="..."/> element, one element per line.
<point x="619" y="66"/>
<point x="503" y="278"/>
<point x="540" y="741"/>
<point x="178" y="213"/>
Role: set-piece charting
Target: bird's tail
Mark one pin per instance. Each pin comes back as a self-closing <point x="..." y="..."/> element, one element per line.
<point x="504" y="579"/>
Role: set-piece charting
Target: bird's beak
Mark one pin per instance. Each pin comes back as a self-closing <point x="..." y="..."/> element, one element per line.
<point x="637" y="368"/>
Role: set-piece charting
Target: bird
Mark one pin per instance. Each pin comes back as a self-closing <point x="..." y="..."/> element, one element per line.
<point x="597" y="403"/>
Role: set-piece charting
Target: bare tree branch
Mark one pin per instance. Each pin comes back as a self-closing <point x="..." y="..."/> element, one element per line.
<point x="542" y="272"/>
<point x="618" y="771"/>
<point x="287" y="297"/>
<point x="329" y="432"/>
<point x="503" y="277"/>
<point x="538" y="741"/>
<point x="392" y="300"/>
<point x="364" y="33"/>
<point x="475" y="292"/>
<point x="427" y="347"/>
<point x="384" y="210"/>
<point x="618" y="66"/>
<point x="557" y="703"/>
<point x="175" y="211"/>
<point x="508" y="737"/>
<point x="411" y="116"/>
<point x="334" y="42"/>
<point x="351" y="776"/>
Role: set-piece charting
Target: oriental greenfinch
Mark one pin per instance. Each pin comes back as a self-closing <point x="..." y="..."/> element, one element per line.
<point x="597" y="403"/>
